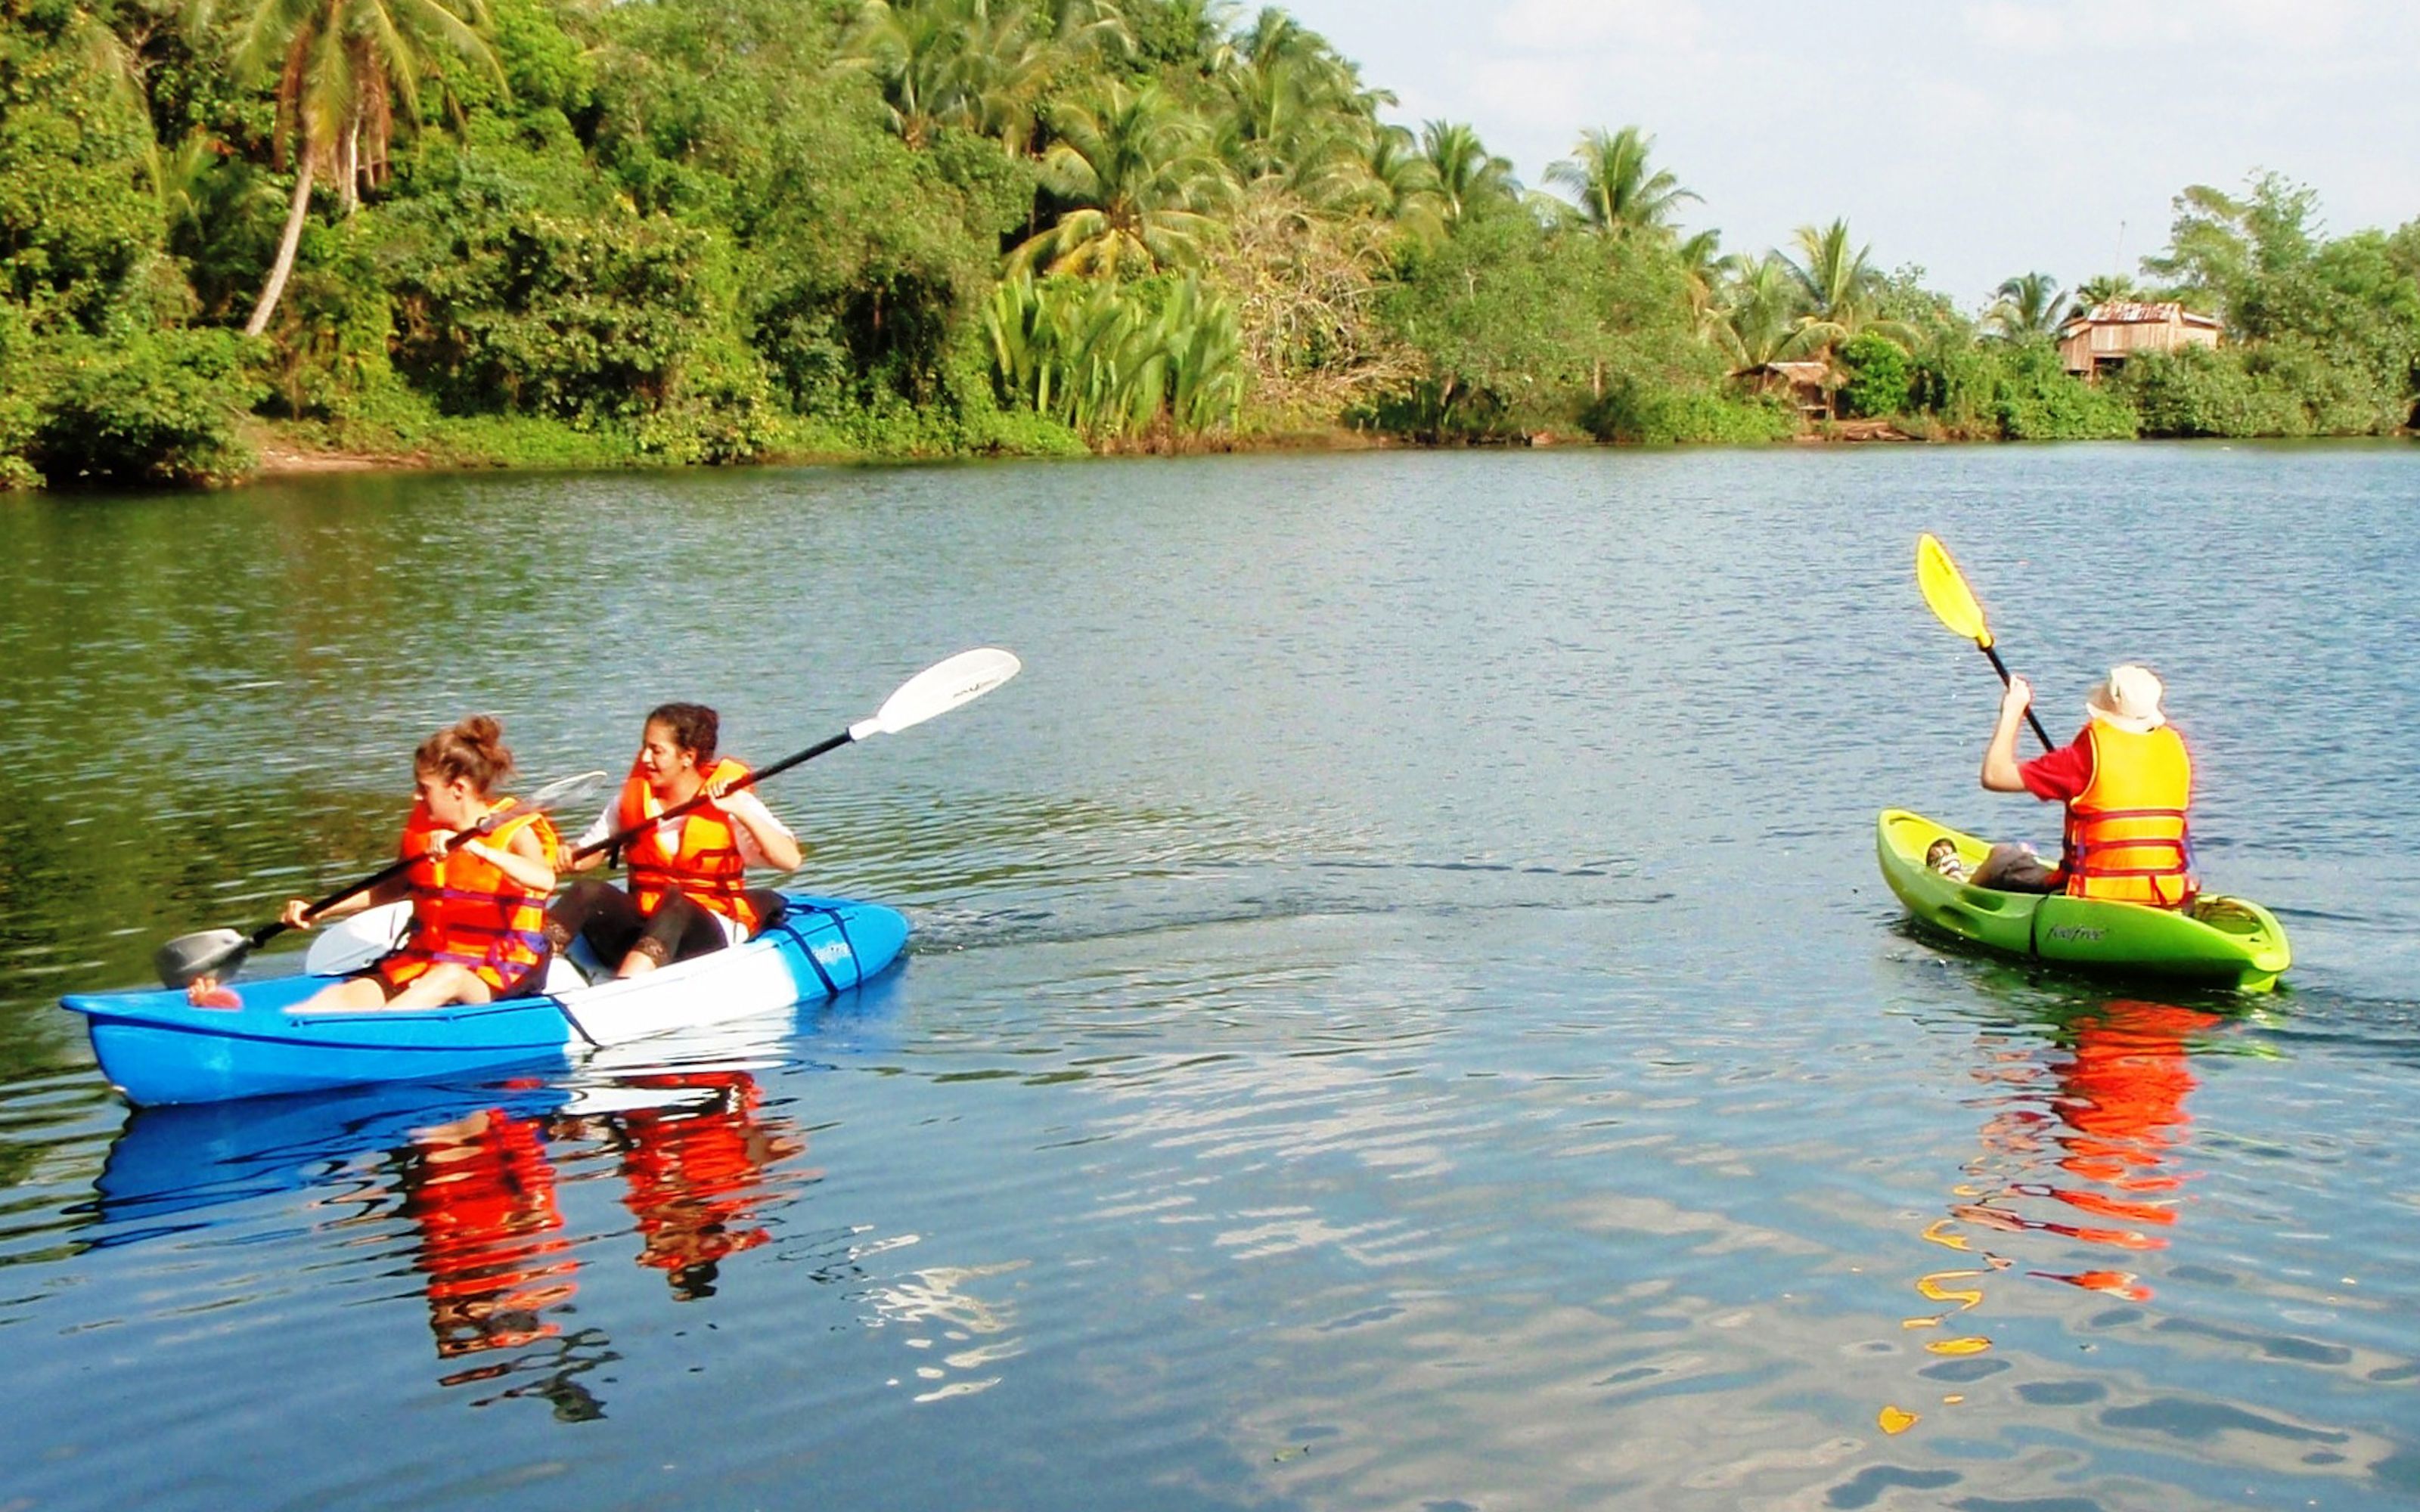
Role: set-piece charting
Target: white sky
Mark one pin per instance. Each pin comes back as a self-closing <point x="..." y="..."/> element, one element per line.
<point x="1978" y="138"/>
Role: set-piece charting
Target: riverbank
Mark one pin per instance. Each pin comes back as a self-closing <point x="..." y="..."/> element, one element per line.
<point x="301" y="451"/>
<point x="284" y="449"/>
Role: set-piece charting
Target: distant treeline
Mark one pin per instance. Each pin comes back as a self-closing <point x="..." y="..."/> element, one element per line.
<point x="556" y="231"/>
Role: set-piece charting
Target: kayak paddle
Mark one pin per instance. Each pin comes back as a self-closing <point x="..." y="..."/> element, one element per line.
<point x="936" y="689"/>
<point x="1946" y="591"/>
<point x="220" y="952"/>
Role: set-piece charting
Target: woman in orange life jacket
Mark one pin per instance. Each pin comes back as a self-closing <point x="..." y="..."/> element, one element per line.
<point x="689" y="891"/>
<point x="2126" y="782"/>
<point x="477" y="904"/>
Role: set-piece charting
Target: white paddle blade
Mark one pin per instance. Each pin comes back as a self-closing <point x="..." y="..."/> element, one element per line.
<point x="565" y="790"/>
<point x="358" y="941"/>
<point x="938" y="690"/>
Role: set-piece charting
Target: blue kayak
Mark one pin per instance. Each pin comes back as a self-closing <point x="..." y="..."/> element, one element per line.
<point x="157" y="1048"/>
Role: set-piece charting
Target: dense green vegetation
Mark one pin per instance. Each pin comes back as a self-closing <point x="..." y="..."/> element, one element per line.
<point x="539" y="231"/>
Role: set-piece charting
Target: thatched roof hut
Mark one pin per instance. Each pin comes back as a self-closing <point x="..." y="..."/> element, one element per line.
<point x="1809" y="385"/>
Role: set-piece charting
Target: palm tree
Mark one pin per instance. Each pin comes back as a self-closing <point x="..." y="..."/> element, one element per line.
<point x="1276" y="34"/>
<point x="1842" y="288"/>
<point x="1466" y="175"/>
<point x="342" y="66"/>
<point x="2108" y="289"/>
<point x="1758" y="317"/>
<point x="2029" y="305"/>
<point x="964" y="63"/>
<point x="1297" y="111"/>
<point x="1403" y="183"/>
<point x="1608" y="172"/>
<point x="1702" y="263"/>
<point x="1133" y="167"/>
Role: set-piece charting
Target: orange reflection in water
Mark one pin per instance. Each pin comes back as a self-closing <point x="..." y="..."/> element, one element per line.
<point x="695" y="1175"/>
<point x="481" y="1192"/>
<point x="692" y="1153"/>
<point x="2092" y="1122"/>
<point x="2117" y="1121"/>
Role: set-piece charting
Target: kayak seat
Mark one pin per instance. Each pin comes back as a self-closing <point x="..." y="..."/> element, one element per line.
<point x="563" y="975"/>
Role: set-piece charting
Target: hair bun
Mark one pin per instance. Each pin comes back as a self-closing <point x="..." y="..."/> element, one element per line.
<point x="472" y="747"/>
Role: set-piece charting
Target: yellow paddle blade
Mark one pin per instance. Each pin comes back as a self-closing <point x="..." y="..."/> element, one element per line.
<point x="1946" y="591"/>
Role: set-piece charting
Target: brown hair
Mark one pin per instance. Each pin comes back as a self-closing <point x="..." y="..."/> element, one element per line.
<point x="693" y="726"/>
<point x="474" y="749"/>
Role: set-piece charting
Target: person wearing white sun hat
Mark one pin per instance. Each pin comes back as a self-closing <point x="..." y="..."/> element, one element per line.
<point x="2126" y="781"/>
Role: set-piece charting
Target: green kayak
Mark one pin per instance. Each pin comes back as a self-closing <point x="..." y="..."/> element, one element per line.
<point x="2220" y="942"/>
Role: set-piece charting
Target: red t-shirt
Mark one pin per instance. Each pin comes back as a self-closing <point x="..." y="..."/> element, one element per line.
<point x="2061" y="776"/>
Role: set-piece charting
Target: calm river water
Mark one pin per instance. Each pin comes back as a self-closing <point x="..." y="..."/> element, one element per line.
<point x="1403" y="1013"/>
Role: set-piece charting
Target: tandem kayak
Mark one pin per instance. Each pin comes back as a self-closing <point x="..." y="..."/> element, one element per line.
<point x="157" y="1048"/>
<point x="2220" y="942"/>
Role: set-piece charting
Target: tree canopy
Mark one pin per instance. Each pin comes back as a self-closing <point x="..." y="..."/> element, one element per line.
<point x="716" y="230"/>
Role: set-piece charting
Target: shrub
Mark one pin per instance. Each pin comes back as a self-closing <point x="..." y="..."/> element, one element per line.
<point x="1522" y="328"/>
<point x="1109" y="360"/>
<point x="1880" y="376"/>
<point x="21" y="387"/>
<point x="2201" y="392"/>
<point x="2037" y="400"/>
<point x="1665" y="413"/>
<point x="160" y="409"/>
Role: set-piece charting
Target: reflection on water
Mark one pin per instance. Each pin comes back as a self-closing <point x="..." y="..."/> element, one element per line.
<point x="2084" y="1142"/>
<point x="702" y="1169"/>
<point x="699" y="1164"/>
<point x="481" y="1193"/>
<point x="695" y="1172"/>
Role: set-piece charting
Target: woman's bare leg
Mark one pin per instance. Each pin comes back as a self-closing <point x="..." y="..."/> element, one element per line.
<point x="445" y="982"/>
<point x="353" y="994"/>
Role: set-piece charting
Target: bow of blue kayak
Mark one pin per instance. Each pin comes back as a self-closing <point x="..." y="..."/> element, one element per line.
<point x="158" y="1048"/>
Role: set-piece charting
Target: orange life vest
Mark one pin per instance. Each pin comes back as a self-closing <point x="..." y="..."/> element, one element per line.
<point x="707" y="866"/>
<point x="465" y="910"/>
<point x="2126" y="831"/>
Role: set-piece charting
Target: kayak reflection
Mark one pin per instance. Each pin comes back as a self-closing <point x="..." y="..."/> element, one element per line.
<point x="2084" y="1144"/>
<point x="483" y="1181"/>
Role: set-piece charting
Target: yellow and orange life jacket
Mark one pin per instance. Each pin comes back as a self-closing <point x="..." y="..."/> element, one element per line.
<point x="708" y="866"/>
<point x="466" y="910"/>
<point x="2126" y="836"/>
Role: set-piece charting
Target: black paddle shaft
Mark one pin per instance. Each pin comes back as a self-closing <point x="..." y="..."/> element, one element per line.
<point x="2032" y="718"/>
<point x="623" y="836"/>
<point x="387" y="873"/>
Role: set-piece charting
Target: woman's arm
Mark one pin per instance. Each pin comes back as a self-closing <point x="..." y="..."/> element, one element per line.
<point x="522" y="858"/>
<point x="780" y="849"/>
<point x="298" y="913"/>
<point x="598" y="831"/>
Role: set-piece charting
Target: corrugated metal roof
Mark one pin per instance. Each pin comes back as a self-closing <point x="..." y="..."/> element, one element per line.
<point x="2140" y="311"/>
